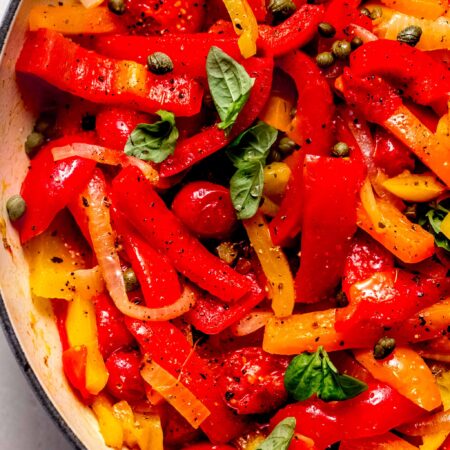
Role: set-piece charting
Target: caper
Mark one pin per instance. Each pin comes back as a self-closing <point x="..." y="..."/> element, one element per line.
<point x="117" y="6"/>
<point x="384" y="347"/>
<point x="34" y="140"/>
<point x="326" y="29"/>
<point x="130" y="279"/>
<point x="286" y="145"/>
<point x="282" y="9"/>
<point x="325" y="59"/>
<point x="340" y="150"/>
<point x="356" y="42"/>
<point x="159" y="63"/>
<point x="365" y="12"/>
<point x="376" y="13"/>
<point x="16" y="207"/>
<point x="411" y="211"/>
<point x="410" y="35"/>
<point x="341" y="49"/>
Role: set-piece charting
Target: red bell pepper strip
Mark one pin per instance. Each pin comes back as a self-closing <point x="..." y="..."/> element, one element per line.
<point x="144" y="208"/>
<point x="50" y="186"/>
<point x="78" y="211"/>
<point x="366" y="256"/>
<point x="167" y="345"/>
<point x="375" y="411"/>
<point x="311" y="129"/>
<point x="60" y="311"/>
<point x="188" y="52"/>
<point x="388" y="298"/>
<point x="421" y="77"/>
<point x="295" y="32"/>
<point x="111" y="330"/>
<point x="342" y="13"/>
<point x="157" y="278"/>
<point x="74" y="366"/>
<point x="71" y="68"/>
<point x="211" y="316"/>
<point x="192" y="150"/>
<point x="331" y="187"/>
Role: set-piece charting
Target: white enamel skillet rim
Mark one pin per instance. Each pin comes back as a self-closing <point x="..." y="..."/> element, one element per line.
<point x="48" y="389"/>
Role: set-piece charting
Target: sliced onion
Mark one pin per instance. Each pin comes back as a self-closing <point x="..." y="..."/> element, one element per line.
<point x="251" y="323"/>
<point x="363" y="138"/>
<point x="91" y="3"/>
<point x="103" y="241"/>
<point x="364" y="34"/>
<point x="175" y="393"/>
<point x="434" y="423"/>
<point x="105" y="155"/>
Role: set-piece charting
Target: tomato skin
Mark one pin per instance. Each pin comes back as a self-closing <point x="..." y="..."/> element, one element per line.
<point x="112" y="332"/>
<point x="252" y="380"/>
<point x="391" y="155"/>
<point x="206" y="209"/>
<point x="114" y="125"/>
<point x="125" y="381"/>
<point x="184" y="16"/>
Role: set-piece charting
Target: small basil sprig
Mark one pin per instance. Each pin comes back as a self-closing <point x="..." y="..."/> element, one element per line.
<point x="229" y="84"/>
<point x="248" y="154"/>
<point x="314" y="373"/>
<point x="281" y="436"/>
<point x="432" y="220"/>
<point x="153" y="141"/>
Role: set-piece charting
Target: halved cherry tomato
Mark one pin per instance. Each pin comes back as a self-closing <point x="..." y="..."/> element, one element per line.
<point x="206" y="209"/>
<point x="125" y="381"/>
<point x="253" y="380"/>
<point x="114" y="125"/>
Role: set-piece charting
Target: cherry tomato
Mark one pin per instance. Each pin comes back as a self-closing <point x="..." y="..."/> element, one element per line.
<point x="206" y="209"/>
<point x="182" y="16"/>
<point x="253" y="380"/>
<point x="112" y="332"/>
<point x="125" y="381"/>
<point x="176" y="429"/>
<point x="391" y="154"/>
<point x="114" y="125"/>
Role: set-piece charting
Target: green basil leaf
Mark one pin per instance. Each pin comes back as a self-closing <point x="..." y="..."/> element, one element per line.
<point x="246" y="187"/>
<point x="229" y="84"/>
<point x="432" y="219"/>
<point x="248" y="154"/>
<point x="281" y="436"/>
<point x="314" y="373"/>
<point x="155" y="141"/>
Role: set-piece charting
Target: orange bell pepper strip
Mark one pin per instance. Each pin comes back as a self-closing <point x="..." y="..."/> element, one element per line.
<point x="306" y="332"/>
<point x="274" y="264"/>
<point x="81" y="328"/>
<point x="406" y="372"/>
<point x="407" y="241"/>
<point x="175" y="393"/>
<point x="277" y="113"/>
<point x="425" y="9"/>
<point x="386" y="441"/>
<point x="437" y="349"/>
<point x="74" y="19"/>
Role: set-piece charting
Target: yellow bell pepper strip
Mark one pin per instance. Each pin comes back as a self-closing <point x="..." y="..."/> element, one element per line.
<point x="175" y="393"/>
<point x="405" y="371"/>
<point x="425" y="9"/>
<point x="415" y="187"/>
<point x="110" y="426"/>
<point x="123" y="412"/>
<point x="268" y="207"/>
<point x="276" y="177"/>
<point x="428" y="147"/>
<point x="407" y="241"/>
<point x="306" y="332"/>
<point x="386" y="441"/>
<point x="445" y="226"/>
<point x="81" y="328"/>
<point x="245" y="25"/>
<point x="277" y="113"/>
<point x="274" y="264"/>
<point x="370" y="206"/>
<point x="149" y="432"/>
<point x="74" y="19"/>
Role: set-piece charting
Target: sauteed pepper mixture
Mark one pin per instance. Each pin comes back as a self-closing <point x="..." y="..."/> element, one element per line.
<point x="240" y="213"/>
